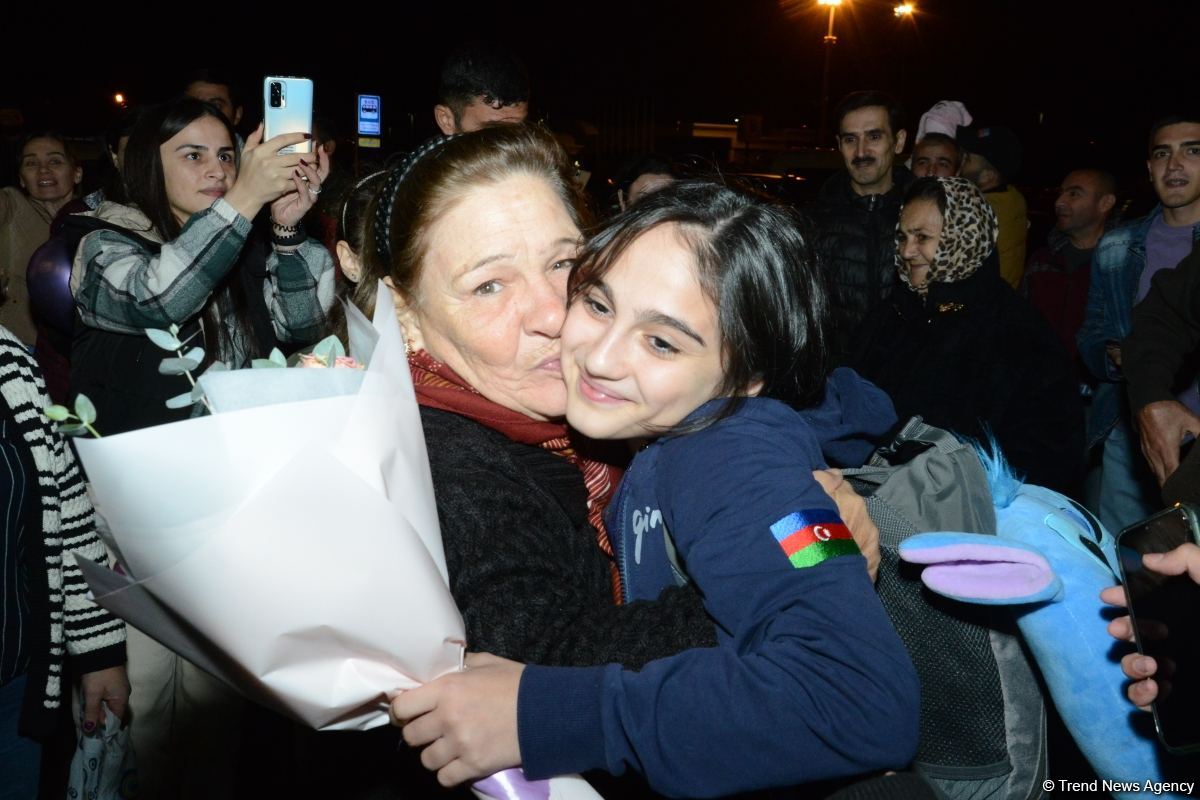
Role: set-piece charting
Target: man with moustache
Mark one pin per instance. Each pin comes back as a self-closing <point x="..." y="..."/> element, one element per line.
<point x="1124" y="262"/>
<point x="1058" y="273"/>
<point x="856" y="211"/>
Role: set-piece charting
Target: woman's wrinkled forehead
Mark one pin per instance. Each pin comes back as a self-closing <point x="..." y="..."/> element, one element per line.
<point x="519" y="218"/>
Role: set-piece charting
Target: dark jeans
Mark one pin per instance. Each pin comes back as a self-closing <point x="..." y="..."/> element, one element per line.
<point x="20" y="758"/>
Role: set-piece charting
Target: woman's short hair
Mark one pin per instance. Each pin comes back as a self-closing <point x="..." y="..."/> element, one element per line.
<point x="756" y="262"/>
<point x="422" y="188"/>
<point x="143" y="174"/>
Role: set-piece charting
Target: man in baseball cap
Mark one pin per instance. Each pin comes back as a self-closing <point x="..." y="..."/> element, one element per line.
<point x="992" y="159"/>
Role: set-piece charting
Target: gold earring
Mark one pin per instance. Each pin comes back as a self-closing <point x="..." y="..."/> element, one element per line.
<point x="409" y="352"/>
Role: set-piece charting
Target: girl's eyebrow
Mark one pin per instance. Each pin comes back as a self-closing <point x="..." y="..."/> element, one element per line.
<point x="654" y="317"/>
<point x="659" y="318"/>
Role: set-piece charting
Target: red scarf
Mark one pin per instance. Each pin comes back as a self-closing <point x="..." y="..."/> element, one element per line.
<point x="440" y="387"/>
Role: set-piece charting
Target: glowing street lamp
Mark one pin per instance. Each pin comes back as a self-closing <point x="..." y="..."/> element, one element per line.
<point x="904" y="10"/>
<point x="830" y="40"/>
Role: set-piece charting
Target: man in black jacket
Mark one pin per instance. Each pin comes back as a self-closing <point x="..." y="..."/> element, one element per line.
<point x="856" y="212"/>
<point x="1165" y="337"/>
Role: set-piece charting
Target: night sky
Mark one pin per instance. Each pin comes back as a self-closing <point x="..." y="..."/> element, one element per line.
<point x="1079" y="81"/>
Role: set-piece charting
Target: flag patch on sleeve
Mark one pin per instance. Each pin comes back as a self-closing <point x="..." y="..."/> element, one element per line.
<point x="813" y="535"/>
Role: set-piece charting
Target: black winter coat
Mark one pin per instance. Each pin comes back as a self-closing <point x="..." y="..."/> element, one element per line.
<point x="973" y="355"/>
<point x="525" y="569"/>
<point x="856" y="241"/>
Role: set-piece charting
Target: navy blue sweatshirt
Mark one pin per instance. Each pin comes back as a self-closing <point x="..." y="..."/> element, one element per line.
<point x="809" y="680"/>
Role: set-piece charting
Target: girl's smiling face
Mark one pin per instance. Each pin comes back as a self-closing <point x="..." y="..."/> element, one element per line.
<point x="642" y="348"/>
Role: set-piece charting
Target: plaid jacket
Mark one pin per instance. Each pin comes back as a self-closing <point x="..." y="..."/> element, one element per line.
<point x="123" y="287"/>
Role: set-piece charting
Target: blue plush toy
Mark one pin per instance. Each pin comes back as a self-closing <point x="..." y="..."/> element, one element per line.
<point x="1051" y="558"/>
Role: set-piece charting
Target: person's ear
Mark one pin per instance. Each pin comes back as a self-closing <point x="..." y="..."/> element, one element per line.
<point x="410" y="322"/>
<point x="901" y="138"/>
<point x="78" y="175"/>
<point x="444" y="118"/>
<point x="1107" y="202"/>
<point x="347" y="259"/>
<point x="237" y="116"/>
<point x="329" y="145"/>
<point x="755" y="388"/>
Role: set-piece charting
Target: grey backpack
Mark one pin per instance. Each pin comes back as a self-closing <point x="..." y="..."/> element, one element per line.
<point x="983" y="719"/>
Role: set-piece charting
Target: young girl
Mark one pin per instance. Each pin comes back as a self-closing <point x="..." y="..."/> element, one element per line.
<point x="697" y="319"/>
<point x="184" y="252"/>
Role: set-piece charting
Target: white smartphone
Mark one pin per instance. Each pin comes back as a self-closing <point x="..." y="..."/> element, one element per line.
<point x="287" y="108"/>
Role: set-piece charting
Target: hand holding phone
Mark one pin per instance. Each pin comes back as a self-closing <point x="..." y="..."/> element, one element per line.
<point x="1160" y="564"/>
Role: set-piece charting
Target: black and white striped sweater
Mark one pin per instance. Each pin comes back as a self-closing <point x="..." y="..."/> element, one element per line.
<point x="66" y="621"/>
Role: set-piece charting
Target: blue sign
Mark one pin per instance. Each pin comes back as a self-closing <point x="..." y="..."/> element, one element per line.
<point x="369" y="115"/>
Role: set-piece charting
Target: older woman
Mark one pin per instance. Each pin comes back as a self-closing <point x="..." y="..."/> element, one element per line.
<point x="475" y="236"/>
<point x="959" y="347"/>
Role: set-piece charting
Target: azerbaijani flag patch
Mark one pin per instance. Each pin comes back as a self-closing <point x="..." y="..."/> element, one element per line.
<point x="813" y="535"/>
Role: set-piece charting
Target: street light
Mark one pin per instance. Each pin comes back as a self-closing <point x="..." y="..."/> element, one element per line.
<point x="904" y="10"/>
<point x="830" y="40"/>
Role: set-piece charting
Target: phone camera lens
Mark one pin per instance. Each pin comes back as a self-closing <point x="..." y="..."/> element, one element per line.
<point x="276" y="94"/>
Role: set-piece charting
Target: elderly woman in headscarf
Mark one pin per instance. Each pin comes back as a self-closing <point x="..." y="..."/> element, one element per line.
<point x="959" y="347"/>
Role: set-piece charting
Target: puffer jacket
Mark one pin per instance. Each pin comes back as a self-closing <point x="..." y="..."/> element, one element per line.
<point x="856" y="240"/>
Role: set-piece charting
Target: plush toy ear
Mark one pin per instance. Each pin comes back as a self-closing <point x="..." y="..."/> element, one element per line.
<point x="980" y="569"/>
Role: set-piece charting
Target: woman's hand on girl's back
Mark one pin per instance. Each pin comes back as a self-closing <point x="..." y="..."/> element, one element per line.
<point x="853" y="511"/>
<point x="263" y="174"/>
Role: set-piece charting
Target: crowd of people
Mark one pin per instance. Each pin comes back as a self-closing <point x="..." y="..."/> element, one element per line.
<point x="631" y="422"/>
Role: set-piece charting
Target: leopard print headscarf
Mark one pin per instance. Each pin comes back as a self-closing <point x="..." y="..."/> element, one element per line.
<point x="969" y="230"/>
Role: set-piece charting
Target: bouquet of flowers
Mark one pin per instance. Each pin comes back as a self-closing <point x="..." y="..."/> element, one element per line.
<point x="288" y="543"/>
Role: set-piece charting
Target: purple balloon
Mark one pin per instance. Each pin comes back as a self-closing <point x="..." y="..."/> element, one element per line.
<point x="49" y="277"/>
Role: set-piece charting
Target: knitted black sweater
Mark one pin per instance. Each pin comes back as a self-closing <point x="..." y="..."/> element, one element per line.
<point x="525" y="569"/>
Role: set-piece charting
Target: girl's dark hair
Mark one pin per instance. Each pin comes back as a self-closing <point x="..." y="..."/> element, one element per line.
<point x="352" y="222"/>
<point x="143" y="170"/>
<point x="926" y="189"/>
<point x="756" y="262"/>
<point x="146" y="188"/>
<point x="424" y="186"/>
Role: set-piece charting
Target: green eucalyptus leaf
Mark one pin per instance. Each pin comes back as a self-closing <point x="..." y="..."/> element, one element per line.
<point x="84" y="409"/>
<point x="264" y="363"/>
<point x="195" y="354"/>
<point x="197" y="393"/>
<point x="277" y="358"/>
<point x="57" y="413"/>
<point x="181" y="400"/>
<point x="328" y="349"/>
<point x="176" y="366"/>
<point x="217" y="366"/>
<point x="174" y="329"/>
<point x="72" y="429"/>
<point x="163" y="339"/>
